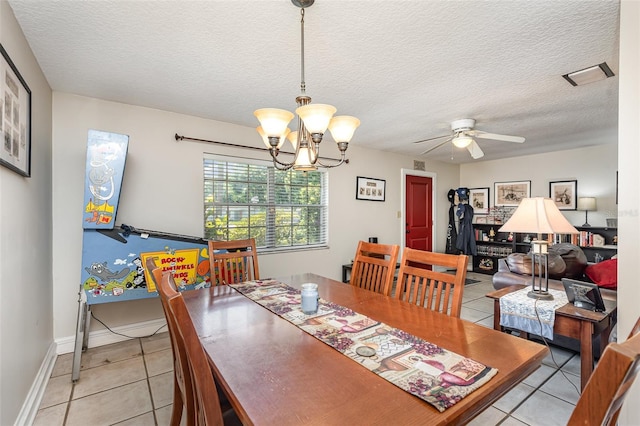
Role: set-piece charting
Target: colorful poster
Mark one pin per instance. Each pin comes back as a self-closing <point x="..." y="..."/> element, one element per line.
<point x="106" y="156"/>
<point x="183" y="264"/>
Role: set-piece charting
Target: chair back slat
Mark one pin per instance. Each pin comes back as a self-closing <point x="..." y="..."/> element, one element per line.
<point x="374" y="267"/>
<point x="233" y="262"/>
<point x="607" y="387"/>
<point x="418" y="283"/>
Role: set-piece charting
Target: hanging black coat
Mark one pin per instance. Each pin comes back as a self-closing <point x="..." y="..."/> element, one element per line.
<point x="466" y="242"/>
<point x="452" y="232"/>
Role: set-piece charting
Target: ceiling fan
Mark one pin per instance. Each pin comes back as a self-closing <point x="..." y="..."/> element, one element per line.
<point x="463" y="134"/>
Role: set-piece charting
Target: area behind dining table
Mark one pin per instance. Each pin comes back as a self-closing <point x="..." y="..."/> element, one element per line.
<point x="275" y="373"/>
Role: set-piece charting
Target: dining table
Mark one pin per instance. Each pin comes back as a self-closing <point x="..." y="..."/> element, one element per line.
<point x="275" y="373"/>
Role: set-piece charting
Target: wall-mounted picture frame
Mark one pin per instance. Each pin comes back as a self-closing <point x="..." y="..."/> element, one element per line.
<point x="564" y="194"/>
<point x="511" y="193"/>
<point x="479" y="200"/>
<point x="15" y="118"/>
<point x="370" y="189"/>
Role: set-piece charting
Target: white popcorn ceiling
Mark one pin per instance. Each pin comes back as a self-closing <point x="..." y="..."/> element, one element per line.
<point x="405" y="68"/>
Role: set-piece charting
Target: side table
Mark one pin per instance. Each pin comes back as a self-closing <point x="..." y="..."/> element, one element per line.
<point x="576" y="323"/>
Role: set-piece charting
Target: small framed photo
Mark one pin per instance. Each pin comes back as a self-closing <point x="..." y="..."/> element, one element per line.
<point x="15" y="118"/>
<point x="370" y="189"/>
<point x="511" y="193"/>
<point x="480" y="219"/>
<point x="479" y="200"/>
<point x="563" y="194"/>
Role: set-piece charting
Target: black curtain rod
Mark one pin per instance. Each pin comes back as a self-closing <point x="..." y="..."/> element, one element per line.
<point x="255" y="148"/>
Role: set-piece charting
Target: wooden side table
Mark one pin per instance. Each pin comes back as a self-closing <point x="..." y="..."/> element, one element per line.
<point x="576" y="323"/>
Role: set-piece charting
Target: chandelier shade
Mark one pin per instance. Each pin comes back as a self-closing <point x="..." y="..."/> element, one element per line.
<point x="313" y="121"/>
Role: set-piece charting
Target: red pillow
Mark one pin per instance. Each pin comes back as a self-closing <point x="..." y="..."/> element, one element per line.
<point x="604" y="273"/>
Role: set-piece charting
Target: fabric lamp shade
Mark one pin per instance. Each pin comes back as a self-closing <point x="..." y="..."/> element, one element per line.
<point x="587" y="204"/>
<point x="538" y="215"/>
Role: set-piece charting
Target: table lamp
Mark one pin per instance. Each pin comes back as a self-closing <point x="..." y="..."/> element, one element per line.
<point x="587" y="204"/>
<point x="541" y="216"/>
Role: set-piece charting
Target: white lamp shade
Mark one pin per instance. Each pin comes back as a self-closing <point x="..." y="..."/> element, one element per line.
<point x="316" y="117"/>
<point x="462" y="141"/>
<point x="265" y="139"/>
<point x="538" y="215"/>
<point x="587" y="204"/>
<point x="303" y="160"/>
<point x="293" y="138"/>
<point x="342" y="127"/>
<point x="273" y="121"/>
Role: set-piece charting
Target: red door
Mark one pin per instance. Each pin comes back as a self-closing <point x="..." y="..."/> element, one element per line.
<point x="418" y="213"/>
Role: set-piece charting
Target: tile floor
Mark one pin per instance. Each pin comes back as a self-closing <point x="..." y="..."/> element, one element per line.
<point x="130" y="383"/>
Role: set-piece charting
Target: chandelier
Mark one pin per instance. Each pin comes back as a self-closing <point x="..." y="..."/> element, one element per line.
<point x="313" y="121"/>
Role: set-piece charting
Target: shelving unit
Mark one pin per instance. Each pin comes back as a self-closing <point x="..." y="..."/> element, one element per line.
<point x="490" y="249"/>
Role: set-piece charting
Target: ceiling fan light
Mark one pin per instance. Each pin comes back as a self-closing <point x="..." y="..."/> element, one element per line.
<point x="342" y="127"/>
<point x="316" y="117"/>
<point x="462" y="141"/>
<point x="274" y="121"/>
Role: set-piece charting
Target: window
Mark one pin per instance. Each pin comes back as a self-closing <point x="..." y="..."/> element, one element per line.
<point x="252" y="199"/>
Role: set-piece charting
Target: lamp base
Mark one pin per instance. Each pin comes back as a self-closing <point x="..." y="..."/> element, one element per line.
<point x="541" y="295"/>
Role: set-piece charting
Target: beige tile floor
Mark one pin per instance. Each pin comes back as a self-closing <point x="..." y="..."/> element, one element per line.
<point x="130" y="383"/>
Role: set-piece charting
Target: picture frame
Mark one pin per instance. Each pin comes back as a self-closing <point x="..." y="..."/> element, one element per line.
<point x="564" y="194"/>
<point x="370" y="189"/>
<point x="479" y="200"/>
<point x="511" y="193"/>
<point x="15" y="118"/>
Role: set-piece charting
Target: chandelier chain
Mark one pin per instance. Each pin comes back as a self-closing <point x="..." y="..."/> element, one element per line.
<point x="303" y="85"/>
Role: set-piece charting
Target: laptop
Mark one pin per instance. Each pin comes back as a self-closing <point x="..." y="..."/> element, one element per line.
<point x="583" y="295"/>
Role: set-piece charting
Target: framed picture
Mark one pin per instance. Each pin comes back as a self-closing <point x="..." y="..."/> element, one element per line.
<point x="563" y="194"/>
<point x="511" y="193"/>
<point x="479" y="200"/>
<point x="15" y="118"/>
<point x="370" y="189"/>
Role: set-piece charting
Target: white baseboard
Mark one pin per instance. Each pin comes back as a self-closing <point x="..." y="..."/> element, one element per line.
<point x="32" y="402"/>
<point x="105" y="337"/>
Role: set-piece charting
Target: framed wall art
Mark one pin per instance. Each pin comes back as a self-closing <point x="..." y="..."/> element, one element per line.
<point x="15" y="118"/>
<point x="563" y="194"/>
<point x="479" y="200"/>
<point x="370" y="189"/>
<point x="511" y="193"/>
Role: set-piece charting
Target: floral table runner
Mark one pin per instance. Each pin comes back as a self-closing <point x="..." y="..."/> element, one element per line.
<point x="436" y="375"/>
<point x="519" y="311"/>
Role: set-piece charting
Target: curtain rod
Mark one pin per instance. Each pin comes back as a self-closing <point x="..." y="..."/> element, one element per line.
<point x="255" y="148"/>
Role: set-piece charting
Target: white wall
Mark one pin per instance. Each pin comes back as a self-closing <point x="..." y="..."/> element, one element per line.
<point x="593" y="167"/>
<point x="25" y="239"/>
<point x="159" y="167"/>
<point x="629" y="160"/>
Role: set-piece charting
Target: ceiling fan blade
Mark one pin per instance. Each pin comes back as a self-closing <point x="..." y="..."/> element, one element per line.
<point x="475" y="150"/>
<point x="435" y="147"/>
<point x="431" y="139"/>
<point x="497" y="137"/>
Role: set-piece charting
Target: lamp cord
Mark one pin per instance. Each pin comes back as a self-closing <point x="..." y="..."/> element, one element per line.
<point x="535" y="308"/>
<point x="124" y="335"/>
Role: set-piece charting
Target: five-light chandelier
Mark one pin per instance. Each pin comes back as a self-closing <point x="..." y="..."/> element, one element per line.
<point x="313" y="121"/>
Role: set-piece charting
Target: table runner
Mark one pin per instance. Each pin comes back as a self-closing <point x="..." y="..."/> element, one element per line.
<point x="517" y="310"/>
<point x="436" y="375"/>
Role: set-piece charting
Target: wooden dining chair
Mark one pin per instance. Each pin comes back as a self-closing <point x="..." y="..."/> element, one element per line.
<point x="207" y="402"/>
<point x="182" y="385"/>
<point x="419" y="283"/>
<point x="374" y="267"/>
<point x="233" y="261"/>
<point x="607" y="387"/>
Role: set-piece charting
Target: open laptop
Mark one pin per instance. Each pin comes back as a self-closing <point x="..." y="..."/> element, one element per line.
<point x="583" y="295"/>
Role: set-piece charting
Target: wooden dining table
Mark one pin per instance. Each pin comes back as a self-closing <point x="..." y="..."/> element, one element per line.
<point x="274" y="373"/>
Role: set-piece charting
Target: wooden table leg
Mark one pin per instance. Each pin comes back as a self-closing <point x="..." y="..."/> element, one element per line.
<point x="496" y="315"/>
<point x="586" y="352"/>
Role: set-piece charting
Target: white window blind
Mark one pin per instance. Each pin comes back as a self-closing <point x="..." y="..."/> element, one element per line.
<point x="251" y="199"/>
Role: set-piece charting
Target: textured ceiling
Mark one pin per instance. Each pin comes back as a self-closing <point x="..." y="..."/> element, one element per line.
<point x="405" y="68"/>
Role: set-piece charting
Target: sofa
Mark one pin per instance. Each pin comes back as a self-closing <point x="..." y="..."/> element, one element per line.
<point x="565" y="260"/>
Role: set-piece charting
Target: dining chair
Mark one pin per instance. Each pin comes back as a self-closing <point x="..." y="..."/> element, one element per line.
<point x="420" y="283"/>
<point x="182" y="385"/>
<point x="607" y="387"/>
<point x="233" y="261"/>
<point x="207" y="402"/>
<point x="374" y="267"/>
